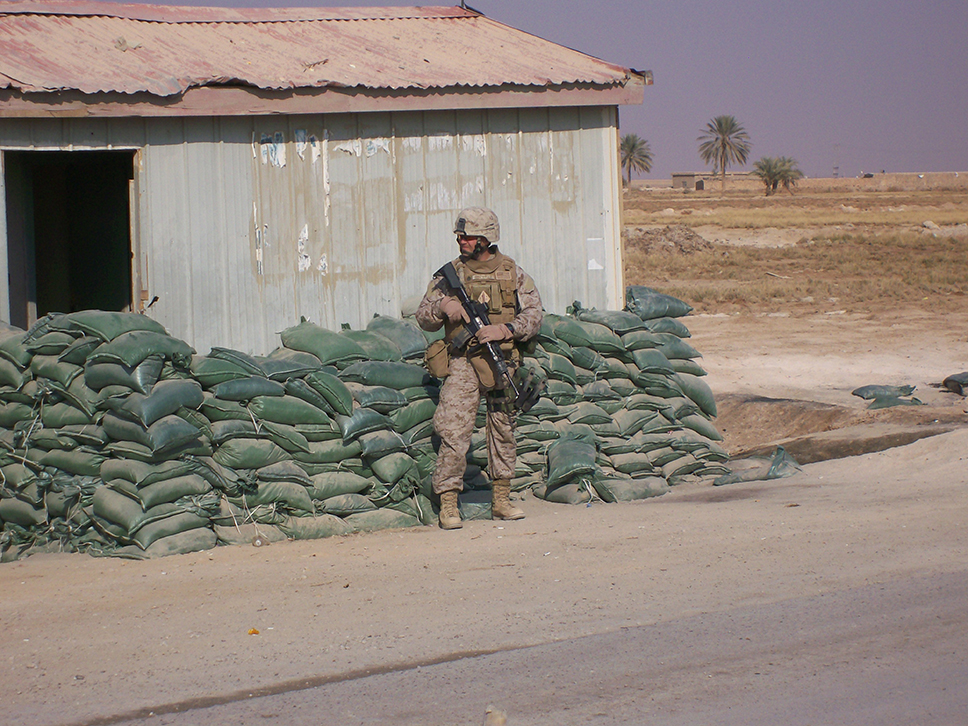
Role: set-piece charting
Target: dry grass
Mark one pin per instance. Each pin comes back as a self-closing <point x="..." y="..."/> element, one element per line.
<point x="871" y="266"/>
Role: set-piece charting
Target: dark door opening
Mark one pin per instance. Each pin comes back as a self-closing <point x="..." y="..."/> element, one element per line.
<point x="68" y="232"/>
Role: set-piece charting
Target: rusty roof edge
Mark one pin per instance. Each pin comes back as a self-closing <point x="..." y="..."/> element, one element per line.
<point x="190" y="14"/>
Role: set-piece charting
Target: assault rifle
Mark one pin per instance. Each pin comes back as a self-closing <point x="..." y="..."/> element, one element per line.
<point x="527" y="391"/>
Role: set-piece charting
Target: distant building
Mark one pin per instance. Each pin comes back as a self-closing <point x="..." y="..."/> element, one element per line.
<point x="236" y="169"/>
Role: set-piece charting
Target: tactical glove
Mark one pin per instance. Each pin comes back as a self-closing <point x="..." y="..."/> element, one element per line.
<point x="453" y="310"/>
<point x="493" y="334"/>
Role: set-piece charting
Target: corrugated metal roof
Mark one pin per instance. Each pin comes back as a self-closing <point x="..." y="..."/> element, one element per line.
<point x="95" y="47"/>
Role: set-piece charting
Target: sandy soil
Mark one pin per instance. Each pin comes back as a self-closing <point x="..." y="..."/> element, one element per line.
<point x="89" y="640"/>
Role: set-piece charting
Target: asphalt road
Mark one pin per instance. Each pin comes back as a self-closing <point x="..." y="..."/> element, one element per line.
<point x="894" y="653"/>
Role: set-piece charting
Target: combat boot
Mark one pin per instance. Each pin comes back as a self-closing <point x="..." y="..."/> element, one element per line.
<point x="449" y="515"/>
<point x="501" y="507"/>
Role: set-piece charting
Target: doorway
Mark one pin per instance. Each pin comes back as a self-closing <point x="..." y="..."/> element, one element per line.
<point x="68" y="232"/>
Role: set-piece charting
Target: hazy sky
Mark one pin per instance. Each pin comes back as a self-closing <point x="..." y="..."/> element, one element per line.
<point x="863" y="85"/>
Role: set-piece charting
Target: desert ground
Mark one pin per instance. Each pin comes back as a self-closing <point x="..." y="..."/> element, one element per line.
<point x="832" y="596"/>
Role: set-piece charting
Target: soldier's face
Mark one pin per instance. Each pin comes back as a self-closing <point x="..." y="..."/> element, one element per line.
<point x="467" y="244"/>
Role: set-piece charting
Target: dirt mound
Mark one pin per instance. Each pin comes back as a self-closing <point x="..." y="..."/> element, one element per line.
<point x="676" y="238"/>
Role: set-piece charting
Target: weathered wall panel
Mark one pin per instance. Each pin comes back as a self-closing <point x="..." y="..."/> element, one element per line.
<point x="246" y="224"/>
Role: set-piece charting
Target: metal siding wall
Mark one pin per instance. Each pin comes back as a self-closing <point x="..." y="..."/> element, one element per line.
<point x="377" y="196"/>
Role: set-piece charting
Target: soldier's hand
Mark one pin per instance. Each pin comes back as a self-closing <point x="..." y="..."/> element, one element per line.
<point x="451" y="307"/>
<point x="493" y="334"/>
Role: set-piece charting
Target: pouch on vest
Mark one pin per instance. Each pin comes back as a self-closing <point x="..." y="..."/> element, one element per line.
<point x="437" y="358"/>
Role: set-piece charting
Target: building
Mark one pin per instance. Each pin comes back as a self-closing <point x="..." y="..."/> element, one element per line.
<point x="230" y="170"/>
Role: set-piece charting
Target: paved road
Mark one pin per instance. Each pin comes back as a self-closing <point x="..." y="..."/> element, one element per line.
<point x="894" y="653"/>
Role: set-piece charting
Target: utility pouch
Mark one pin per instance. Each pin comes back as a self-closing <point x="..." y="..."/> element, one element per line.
<point x="437" y="358"/>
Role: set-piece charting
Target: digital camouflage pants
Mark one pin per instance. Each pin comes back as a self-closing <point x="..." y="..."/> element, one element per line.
<point x="460" y="397"/>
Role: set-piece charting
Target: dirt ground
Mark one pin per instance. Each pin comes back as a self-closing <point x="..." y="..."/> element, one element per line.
<point x="97" y="641"/>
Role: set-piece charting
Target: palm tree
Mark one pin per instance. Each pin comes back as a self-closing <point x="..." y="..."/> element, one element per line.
<point x="636" y="156"/>
<point x="776" y="171"/>
<point x="724" y="142"/>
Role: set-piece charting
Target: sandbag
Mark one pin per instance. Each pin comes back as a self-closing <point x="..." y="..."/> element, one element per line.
<point x="378" y="519"/>
<point x="379" y="398"/>
<point x="629" y="490"/>
<point x="396" y="375"/>
<point x="376" y="347"/>
<point x="668" y="325"/>
<point x="619" y="322"/>
<point x="294" y="497"/>
<point x="326" y="345"/>
<point x="79" y="350"/>
<point x="108" y="325"/>
<point x="333" y="390"/>
<point x="166" y="398"/>
<point x="317" y="527"/>
<point x="130" y="349"/>
<point x="343" y="505"/>
<point x="569" y="458"/>
<point x="648" y="303"/>
<point x="138" y="378"/>
<point x="248" y="363"/>
<point x="215" y="409"/>
<point x="698" y="391"/>
<point x="53" y="343"/>
<point x="333" y="483"/>
<point x="246" y="453"/>
<point x="300" y="389"/>
<point x="212" y="371"/>
<point x="286" y="410"/>
<point x="192" y="540"/>
<point x="407" y="336"/>
<point x="587" y="335"/>
<point x="413" y="414"/>
<point x="284" y="471"/>
<point x="288" y="437"/>
<point x="14" y="349"/>
<point x="328" y="452"/>
<point x="48" y="366"/>
<point x="246" y="389"/>
<point x="363" y="421"/>
<point x="245" y="534"/>
<point x="175" y="524"/>
<point x="283" y="364"/>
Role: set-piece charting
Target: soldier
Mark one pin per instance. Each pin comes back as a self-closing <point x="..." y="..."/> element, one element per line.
<point x="514" y="310"/>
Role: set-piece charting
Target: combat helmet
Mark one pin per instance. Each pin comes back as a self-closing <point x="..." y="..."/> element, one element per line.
<point x="478" y="222"/>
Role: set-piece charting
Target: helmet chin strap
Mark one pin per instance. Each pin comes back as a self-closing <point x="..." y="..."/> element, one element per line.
<point x="481" y="246"/>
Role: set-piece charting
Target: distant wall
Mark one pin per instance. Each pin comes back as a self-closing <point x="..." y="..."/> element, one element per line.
<point x="908" y="181"/>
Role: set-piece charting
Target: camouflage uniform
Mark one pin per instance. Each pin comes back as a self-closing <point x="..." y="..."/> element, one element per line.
<point x="461" y="393"/>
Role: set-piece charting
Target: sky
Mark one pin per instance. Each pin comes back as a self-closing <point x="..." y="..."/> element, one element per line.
<point x="842" y="86"/>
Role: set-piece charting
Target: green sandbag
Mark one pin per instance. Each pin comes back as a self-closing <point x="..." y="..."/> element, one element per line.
<point x="630" y="490"/>
<point x="559" y="368"/>
<point x="631" y="422"/>
<point x="333" y="390"/>
<point x="891" y="401"/>
<point x="283" y="364"/>
<point x="417" y="393"/>
<point x="586" y="412"/>
<point x="668" y="325"/>
<point x="245" y="534"/>
<point x="144" y="474"/>
<point x="599" y="391"/>
<point x="245" y="389"/>
<point x="108" y="325"/>
<point x="163" y="492"/>
<point x="300" y="389"/>
<point x="567" y="493"/>
<point x="422" y="431"/>
<point x="333" y="483"/>
<point x="48" y="366"/>
<point x="345" y="504"/>
<point x="327" y="452"/>
<point x="381" y="443"/>
<point x="396" y="375"/>
<point x="568" y="458"/>
<point x="869" y="393"/>
<point x="363" y="421"/>
<point x="193" y="540"/>
<point x="703" y="426"/>
<point x="249" y="453"/>
<point x="655" y="384"/>
<point x="286" y="410"/>
<point x="215" y="409"/>
<point x="222" y="431"/>
<point x="53" y="343"/>
<point x="587" y="358"/>
<point x="16" y="476"/>
<point x="674" y="347"/>
<point x="379" y="398"/>
<point x="293" y="497"/>
<point x="284" y="471"/>
<point x="698" y="391"/>
<point x="645" y="402"/>
<point x="248" y="363"/>
<point x="138" y="378"/>
<point x="649" y="304"/>
<point x="640" y="339"/>
<point x="687" y="365"/>
<point x="166" y="398"/>
<point x="413" y="414"/>
<point x="407" y="336"/>
<point x="632" y="463"/>
<point x="392" y="468"/>
<point x="212" y="371"/>
<point x="376" y="347"/>
<point x="652" y="360"/>
<point x="562" y="393"/>
<point x="175" y="524"/>
<point x="318" y="527"/>
<point x="165" y="435"/>
<point x="79" y="350"/>
<point x="64" y="414"/>
<point x="619" y="322"/>
<point x="11" y="375"/>
<point x="82" y="461"/>
<point x="14" y="349"/>
<point x="380" y="519"/>
<point x="587" y="335"/>
<point x="121" y="509"/>
<point x="319" y="432"/>
<point x="132" y="348"/>
<point x="288" y="437"/>
<point x="21" y="513"/>
<point x="326" y="345"/>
